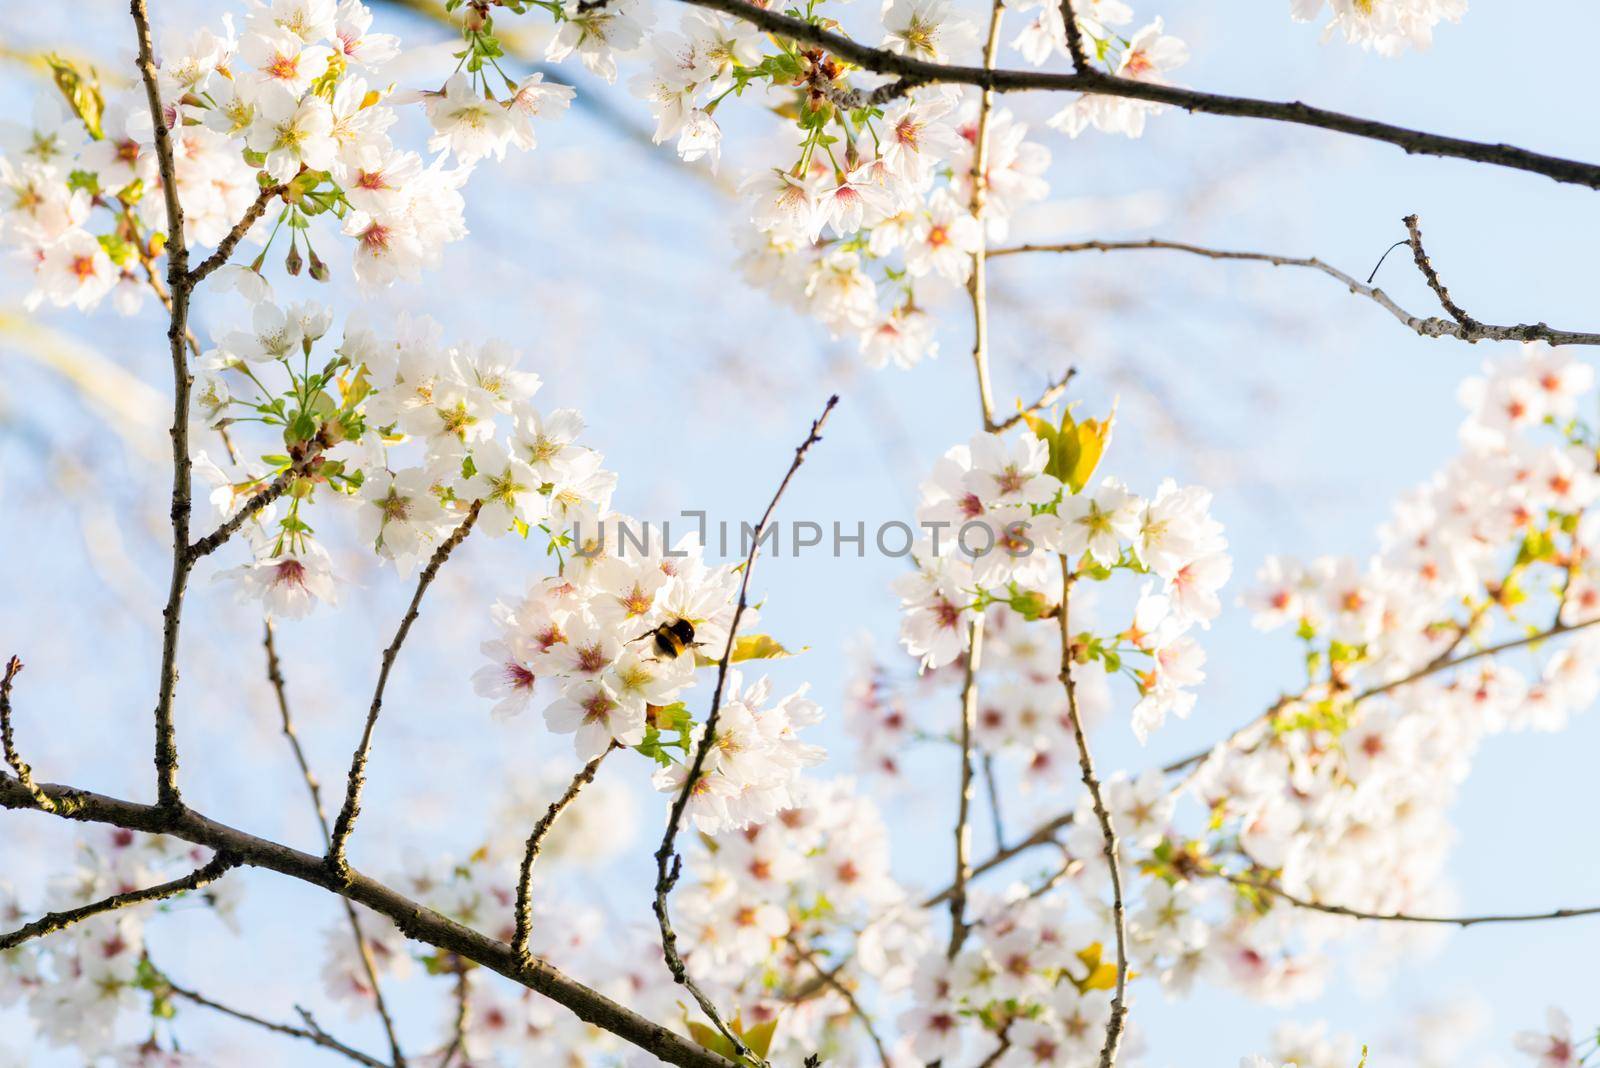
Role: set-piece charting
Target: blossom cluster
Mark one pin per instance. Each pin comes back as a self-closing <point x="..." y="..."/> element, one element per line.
<point x="1021" y="519"/>
<point x="409" y="432"/>
<point x="288" y="106"/>
<point x="591" y="633"/>
<point x="1343" y="793"/>
<point x="78" y="983"/>
<point x="1387" y="27"/>
<point x="876" y="211"/>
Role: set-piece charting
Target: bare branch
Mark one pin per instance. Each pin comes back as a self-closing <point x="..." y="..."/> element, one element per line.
<point x="1420" y="257"/>
<point x="915" y="71"/>
<point x="56" y="921"/>
<point x="458" y="1037"/>
<point x="1469" y="331"/>
<point x="1402" y="917"/>
<point x="1051" y="394"/>
<point x="1119" y="1006"/>
<point x="179" y="287"/>
<point x="991" y="786"/>
<point x="668" y="863"/>
<point x="963" y="831"/>
<point x="977" y="280"/>
<point x="585" y="776"/>
<point x="1075" y="49"/>
<point x="313" y="1034"/>
<point x="8" y="743"/>
<point x="314" y="789"/>
<point x="830" y="979"/>
<point x="252" y="507"/>
<point x="230" y="241"/>
<point x="345" y="822"/>
<point x="413" y="919"/>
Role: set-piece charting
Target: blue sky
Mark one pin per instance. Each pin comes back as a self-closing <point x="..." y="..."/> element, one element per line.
<point x="1306" y="409"/>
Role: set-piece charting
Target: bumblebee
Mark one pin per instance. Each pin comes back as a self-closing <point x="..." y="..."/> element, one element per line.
<point x="673" y="638"/>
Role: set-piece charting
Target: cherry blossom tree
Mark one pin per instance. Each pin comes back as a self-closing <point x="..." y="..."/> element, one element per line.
<point x="1045" y="599"/>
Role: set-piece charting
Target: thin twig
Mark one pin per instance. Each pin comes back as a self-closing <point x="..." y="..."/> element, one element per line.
<point x="977" y="281"/>
<point x="314" y="790"/>
<point x="345" y="822"/>
<point x="991" y="787"/>
<point x="51" y="922"/>
<point x="316" y="1035"/>
<point x="1431" y="326"/>
<point x="1000" y="1049"/>
<point x="302" y="466"/>
<point x="917" y="71"/>
<point x="1119" y="1008"/>
<point x="547" y="822"/>
<point x="8" y="743"/>
<point x="1051" y="394"/>
<point x="413" y="919"/>
<point x="1420" y="258"/>
<point x="963" y="829"/>
<point x="831" y="980"/>
<point x="458" y="1039"/>
<point x="668" y="863"/>
<point x="230" y="241"/>
<point x="1405" y="917"/>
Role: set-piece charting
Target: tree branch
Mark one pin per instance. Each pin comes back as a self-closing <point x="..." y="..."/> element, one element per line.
<point x="524" y="928"/>
<point x="314" y="789"/>
<point x="414" y="920"/>
<point x="253" y="506"/>
<point x="831" y="980"/>
<point x="178" y="286"/>
<point x="56" y="921"/>
<point x="8" y="743"/>
<point x="1414" y="239"/>
<point x="1119" y="1006"/>
<point x="231" y="240"/>
<point x="977" y="282"/>
<point x="344" y="824"/>
<point x="963" y="830"/>
<point x="315" y="1034"/>
<point x="1051" y="394"/>
<point x="914" y="72"/>
<point x="1469" y="331"/>
<point x="1402" y="917"/>
<point x="668" y="863"/>
<point x="1075" y="49"/>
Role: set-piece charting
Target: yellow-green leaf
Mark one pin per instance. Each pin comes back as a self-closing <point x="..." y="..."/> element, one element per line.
<point x="759" y="1037"/>
<point x="750" y="647"/>
<point x="1080" y="447"/>
<point x="711" y="1039"/>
